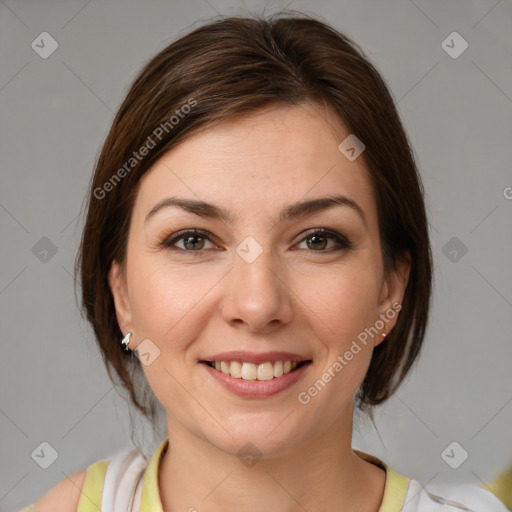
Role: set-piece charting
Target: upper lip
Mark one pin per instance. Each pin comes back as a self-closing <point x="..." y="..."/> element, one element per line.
<point x="252" y="357"/>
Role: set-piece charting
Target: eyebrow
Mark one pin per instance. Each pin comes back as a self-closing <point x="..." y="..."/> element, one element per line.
<point x="293" y="211"/>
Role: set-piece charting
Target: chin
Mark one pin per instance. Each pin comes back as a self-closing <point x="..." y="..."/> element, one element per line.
<point x="256" y="437"/>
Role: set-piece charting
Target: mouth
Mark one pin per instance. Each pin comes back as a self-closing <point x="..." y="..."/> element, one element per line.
<point x="265" y="371"/>
<point x="265" y="377"/>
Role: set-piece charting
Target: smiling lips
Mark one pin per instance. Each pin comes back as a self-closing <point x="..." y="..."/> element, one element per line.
<point x="247" y="366"/>
<point x="251" y="371"/>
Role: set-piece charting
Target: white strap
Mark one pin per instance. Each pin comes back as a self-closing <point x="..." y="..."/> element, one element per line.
<point x="123" y="473"/>
<point x="138" y="495"/>
<point x="451" y="498"/>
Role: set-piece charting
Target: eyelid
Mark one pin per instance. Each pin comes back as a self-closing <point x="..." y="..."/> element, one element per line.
<point x="341" y="239"/>
<point x="169" y="241"/>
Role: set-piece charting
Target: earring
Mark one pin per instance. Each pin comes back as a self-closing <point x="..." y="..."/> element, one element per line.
<point x="385" y="334"/>
<point x="126" y="341"/>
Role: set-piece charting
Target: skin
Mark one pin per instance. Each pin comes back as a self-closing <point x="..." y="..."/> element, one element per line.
<point x="296" y="296"/>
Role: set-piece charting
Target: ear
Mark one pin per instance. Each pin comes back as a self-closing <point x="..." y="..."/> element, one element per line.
<point x="392" y="294"/>
<point x="117" y="283"/>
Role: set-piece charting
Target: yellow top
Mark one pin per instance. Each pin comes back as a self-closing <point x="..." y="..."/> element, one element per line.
<point x="399" y="490"/>
<point x="92" y="490"/>
<point x="501" y="486"/>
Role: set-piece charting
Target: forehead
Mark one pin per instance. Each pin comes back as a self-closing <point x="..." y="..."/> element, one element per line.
<point x="268" y="159"/>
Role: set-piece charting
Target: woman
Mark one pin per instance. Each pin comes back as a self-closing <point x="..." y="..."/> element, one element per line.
<point x="256" y="247"/>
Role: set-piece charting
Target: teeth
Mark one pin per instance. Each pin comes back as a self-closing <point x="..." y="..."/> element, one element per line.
<point x="251" y="371"/>
<point x="235" y="369"/>
<point x="265" y="371"/>
<point x="278" y="368"/>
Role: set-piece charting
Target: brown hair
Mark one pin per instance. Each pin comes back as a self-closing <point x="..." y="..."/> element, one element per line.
<point x="227" y="68"/>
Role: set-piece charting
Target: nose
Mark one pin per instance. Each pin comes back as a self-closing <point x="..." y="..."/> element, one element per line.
<point x="257" y="295"/>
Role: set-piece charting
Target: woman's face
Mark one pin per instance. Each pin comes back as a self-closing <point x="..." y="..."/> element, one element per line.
<point x="257" y="283"/>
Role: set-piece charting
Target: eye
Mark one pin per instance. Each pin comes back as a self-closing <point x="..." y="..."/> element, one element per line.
<point x="193" y="240"/>
<point x="320" y="237"/>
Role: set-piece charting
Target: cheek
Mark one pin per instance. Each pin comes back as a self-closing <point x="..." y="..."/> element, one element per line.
<point x="345" y="301"/>
<point x="168" y="310"/>
<point x="164" y="300"/>
<point x="346" y="307"/>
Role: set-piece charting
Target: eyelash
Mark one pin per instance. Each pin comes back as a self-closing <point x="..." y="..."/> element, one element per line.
<point x="168" y="243"/>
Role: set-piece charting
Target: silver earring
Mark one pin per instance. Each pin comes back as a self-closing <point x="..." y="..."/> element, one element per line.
<point x="126" y="341"/>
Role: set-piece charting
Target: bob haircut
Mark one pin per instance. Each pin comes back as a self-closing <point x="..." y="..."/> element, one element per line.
<point x="236" y="66"/>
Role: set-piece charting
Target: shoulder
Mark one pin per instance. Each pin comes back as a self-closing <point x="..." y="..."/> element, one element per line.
<point x="451" y="498"/>
<point x="108" y="481"/>
<point x="64" y="496"/>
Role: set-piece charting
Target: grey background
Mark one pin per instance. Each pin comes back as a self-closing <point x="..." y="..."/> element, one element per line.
<point x="55" y="115"/>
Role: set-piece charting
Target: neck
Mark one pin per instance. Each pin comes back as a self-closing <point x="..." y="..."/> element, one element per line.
<point x="317" y="474"/>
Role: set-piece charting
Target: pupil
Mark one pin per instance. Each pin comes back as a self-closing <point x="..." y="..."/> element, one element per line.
<point x="188" y="239"/>
<point x="318" y="238"/>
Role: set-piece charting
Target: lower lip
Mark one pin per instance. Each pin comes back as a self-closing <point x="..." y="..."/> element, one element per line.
<point x="257" y="388"/>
